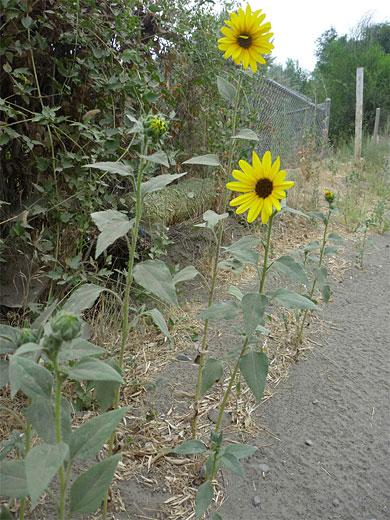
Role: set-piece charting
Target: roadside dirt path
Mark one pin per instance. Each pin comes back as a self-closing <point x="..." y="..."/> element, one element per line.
<point x="328" y="455"/>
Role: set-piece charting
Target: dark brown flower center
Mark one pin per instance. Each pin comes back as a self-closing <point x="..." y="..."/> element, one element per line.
<point x="264" y="188"/>
<point x="244" y="40"/>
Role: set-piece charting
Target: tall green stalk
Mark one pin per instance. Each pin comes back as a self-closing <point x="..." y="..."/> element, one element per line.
<point x="204" y="346"/>
<point x="266" y="267"/>
<point x="298" y="339"/>
<point x="57" y="409"/>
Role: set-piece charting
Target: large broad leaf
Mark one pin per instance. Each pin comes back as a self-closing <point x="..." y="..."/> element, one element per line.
<point x="254" y="368"/>
<point x="226" y="89"/>
<point x="40" y="414"/>
<point x="335" y="238"/>
<point x="159" y="182"/>
<point x="235" y="291"/>
<point x="42" y="463"/>
<point x="124" y="170"/>
<point x="232" y="462"/>
<point x="29" y="348"/>
<point x="82" y="298"/>
<point x="188" y="273"/>
<point x="105" y="391"/>
<point x="211" y="219"/>
<point x="112" y="225"/>
<point x="3" y="373"/>
<point x="155" y="277"/>
<point x="246" y="242"/>
<point x="78" y="348"/>
<point x="87" y="440"/>
<point x="189" y="448"/>
<point x="7" y="339"/>
<point x="312" y="246"/>
<point x="253" y="306"/>
<point x="290" y="267"/>
<point x="91" y="369"/>
<point x="320" y="274"/>
<point x="326" y="293"/>
<point x="88" y="490"/>
<point x="13" y="482"/>
<point x="209" y="159"/>
<point x="293" y="300"/>
<point x="35" y="380"/>
<point x="212" y="372"/>
<point x="226" y="310"/>
<point x="241" y="450"/>
<point x="246" y="133"/>
<point x="45" y="315"/>
<point x="330" y="250"/>
<point x="246" y="256"/>
<point x="204" y="497"/>
<point x="159" y="157"/>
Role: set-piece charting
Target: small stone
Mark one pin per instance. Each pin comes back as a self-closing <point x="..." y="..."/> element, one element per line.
<point x="316" y="401"/>
<point x="183" y="357"/>
<point x="284" y="462"/>
<point x="264" y="468"/>
<point x="256" y="501"/>
<point x="336" y="502"/>
<point x="309" y="442"/>
<point x="203" y="472"/>
<point x="213" y="416"/>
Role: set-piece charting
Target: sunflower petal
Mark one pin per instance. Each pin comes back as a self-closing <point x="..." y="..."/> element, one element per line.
<point x="255" y="209"/>
<point x="241" y="199"/>
<point x="244" y="177"/>
<point x="239" y="186"/>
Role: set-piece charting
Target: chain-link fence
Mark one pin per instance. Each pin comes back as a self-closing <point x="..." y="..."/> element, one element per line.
<point x="286" y="121"/>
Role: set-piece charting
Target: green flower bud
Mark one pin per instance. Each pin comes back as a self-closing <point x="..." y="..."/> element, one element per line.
<point x="26" y="336"/>
<point x="51" y="343"/>
<point x="155" y="125"/>
<point x="66" y="326"/>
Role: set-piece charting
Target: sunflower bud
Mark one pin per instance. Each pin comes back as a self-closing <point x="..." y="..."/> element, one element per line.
<point x="51" y="344"/>
<point x="155" y="125"/>
<point x="66" y="326"/>
<point x="26" y="336"/>
<point x="329" y="196"/>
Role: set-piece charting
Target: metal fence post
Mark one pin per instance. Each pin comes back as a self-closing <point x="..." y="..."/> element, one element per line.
<point x="359" y="113"/>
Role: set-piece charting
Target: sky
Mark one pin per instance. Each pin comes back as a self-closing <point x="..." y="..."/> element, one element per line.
<point x="297" y="24"/>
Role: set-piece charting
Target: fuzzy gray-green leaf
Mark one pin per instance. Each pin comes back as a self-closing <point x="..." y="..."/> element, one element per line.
<point x="254" y="368"/>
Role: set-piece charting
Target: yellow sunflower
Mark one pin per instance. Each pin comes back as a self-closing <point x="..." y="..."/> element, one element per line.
<point x="246" y="40"/>
<point x="263" y="185"/>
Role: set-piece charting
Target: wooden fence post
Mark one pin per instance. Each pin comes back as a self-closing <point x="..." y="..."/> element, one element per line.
<point x="376" y="126"/>
<point x="359" y="113"/>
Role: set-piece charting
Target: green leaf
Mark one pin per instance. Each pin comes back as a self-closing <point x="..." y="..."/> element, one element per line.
<point x="44" y="316"/>
<point x="78" y="348"/>
<point x="13" y="482"/>
<point x="35" y="380"/>
<point x="91" y="369"/>
<point x="155" y="277"/>
<point x="105" y="391"/>
<point x="317" y="215"/>
<point x="159" y="157"/>
<point x="216" y="516"/>
<point x="3" y="373"/>
<point x="159" y="182"/>
<point x="330" y="250"/>
<point x="42" y="463"/>
<point x="189" y="448"/>
<point x="232" y="463"/>
<point x="209" y="159"/>
<point x="247" y="242"/>
<point x="226" y="89"/>
<point x="159" y="321"/>
<point x="211" y="219"/>
<point x="320" y="274"/>
<point x="87" y="440"/>
<point x="293" y="300"/>
<point x="212" y="371"/>
<point x="124" y="170"/>
<point x="290" y="267"/>
<point x="246" y="256"/>
<point x="188" y="273"/>
<point x="27" y="21"/>
<point x="335" y="238"/>
<point x="253" y="307"/>
<point x="235" y="291"/>
<point x="226" y="310"/>
<point x="204" y="497"/>
<point x="241" y="450"/>
<point x="27" y="348"/>
<point x="5" y="513"/>
<point x="7" y="339"/>
<point x="40" y="414"/>
<point x="246" y="133"/>
<point x="312" y="246"/>
<point x="88" y="490"/>
<point x="326" y="293"/>
<point x="254" y="368"/>
<point x="82" y="298"/>
<point x="112" y="225"/>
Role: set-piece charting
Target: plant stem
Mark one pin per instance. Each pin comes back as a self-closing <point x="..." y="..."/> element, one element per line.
<point x="204" y="346"/>
<point x="266" y="251"/>
<point x="299" y="335"/>
<point x="59" y="438"/>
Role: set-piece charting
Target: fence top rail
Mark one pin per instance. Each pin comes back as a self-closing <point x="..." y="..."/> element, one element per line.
<point x="301" y="97"/>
